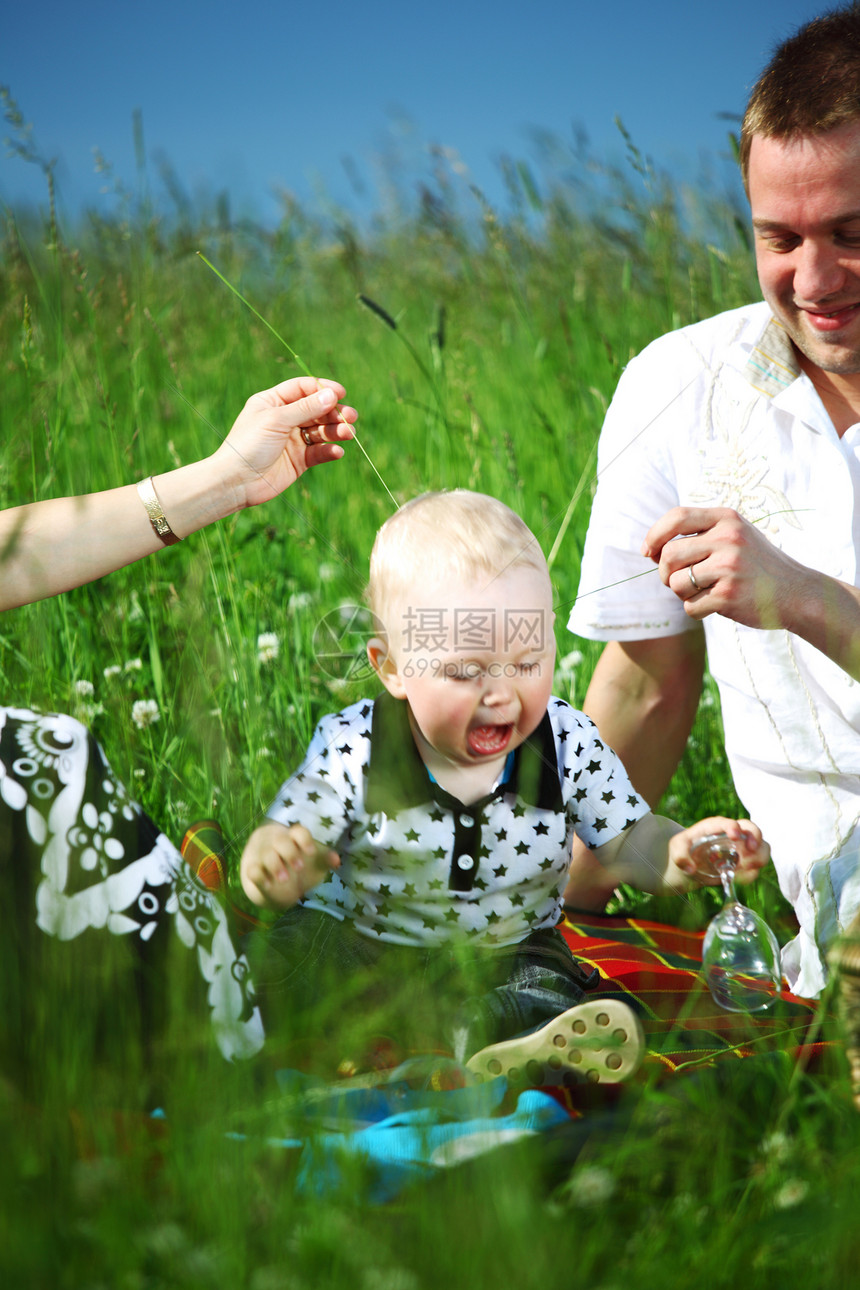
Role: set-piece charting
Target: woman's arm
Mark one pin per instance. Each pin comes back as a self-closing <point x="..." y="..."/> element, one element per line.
<point x="48" y="547"/>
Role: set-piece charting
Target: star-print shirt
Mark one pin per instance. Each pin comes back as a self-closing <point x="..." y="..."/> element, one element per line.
<point x="420" y="868"/>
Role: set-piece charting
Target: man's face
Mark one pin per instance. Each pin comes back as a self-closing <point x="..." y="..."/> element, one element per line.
<point x="805" y="199"/>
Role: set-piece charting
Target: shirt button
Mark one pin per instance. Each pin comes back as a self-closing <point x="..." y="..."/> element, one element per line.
<point x="465" y="862"/>
<point x="468" y="820"/>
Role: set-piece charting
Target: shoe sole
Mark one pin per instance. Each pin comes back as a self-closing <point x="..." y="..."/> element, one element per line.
<point x="601" y="1041"/>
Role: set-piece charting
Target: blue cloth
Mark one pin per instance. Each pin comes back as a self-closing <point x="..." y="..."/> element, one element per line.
<point x="412" y="1146"/>
<point x="382" y="1139"/>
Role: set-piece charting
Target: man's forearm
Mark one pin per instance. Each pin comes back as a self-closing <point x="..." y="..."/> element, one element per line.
<point x="643" y="698"/>
<point x="827" y="615"/>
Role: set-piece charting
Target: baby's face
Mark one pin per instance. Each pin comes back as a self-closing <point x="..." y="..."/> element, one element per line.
<point x="475" y="663"/>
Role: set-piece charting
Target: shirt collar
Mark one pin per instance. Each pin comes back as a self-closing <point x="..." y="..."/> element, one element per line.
<point x="397" y="777"/>
<point x="772" y="364"/>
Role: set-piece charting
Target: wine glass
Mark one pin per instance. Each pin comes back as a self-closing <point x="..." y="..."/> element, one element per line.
<point x="740" y="954"/>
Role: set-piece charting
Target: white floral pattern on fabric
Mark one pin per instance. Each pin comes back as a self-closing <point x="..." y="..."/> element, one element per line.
<point x="105" y="866"/>
<point x="735" y="465"/>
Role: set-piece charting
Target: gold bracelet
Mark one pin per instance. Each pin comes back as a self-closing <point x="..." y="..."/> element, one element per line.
<point x="146" y="493"/>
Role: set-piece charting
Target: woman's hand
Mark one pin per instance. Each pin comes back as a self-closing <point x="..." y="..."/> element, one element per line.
<point x="266" y="450"/>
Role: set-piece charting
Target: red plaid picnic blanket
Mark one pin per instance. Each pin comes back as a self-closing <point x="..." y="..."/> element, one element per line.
<point x="657" y="969"/>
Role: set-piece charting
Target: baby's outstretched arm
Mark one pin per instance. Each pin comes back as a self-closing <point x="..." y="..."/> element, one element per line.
<point x="281" y="863"/>
<point x="654" y="854"/>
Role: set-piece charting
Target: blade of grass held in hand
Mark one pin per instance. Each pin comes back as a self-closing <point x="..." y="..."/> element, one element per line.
<point x="256" y="314"/>
<point x="304" y="367"/>
<point x="791" y="510"/>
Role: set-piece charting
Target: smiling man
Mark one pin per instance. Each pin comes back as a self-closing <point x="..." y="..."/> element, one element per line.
<point x="730" y="461"/>
<point x="805" y="196"/>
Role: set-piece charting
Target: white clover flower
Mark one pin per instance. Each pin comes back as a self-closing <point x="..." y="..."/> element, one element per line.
<point x="777" y="1145"/>
<point x="570" y="662"/>
<point x="84" y="689"/>
<point x="300" y="600"/>
<point x="133" y="665"/>
<point x="113" y="670"/>
<point x="92" y="710"/>
<point x="591" y="1186"/>
<point x="791" y="1193"/>
<point x="327" y="572"/>
<point x="144" y="712"/>
<point x="351" y="614"/>
<point x="268" y="646"/>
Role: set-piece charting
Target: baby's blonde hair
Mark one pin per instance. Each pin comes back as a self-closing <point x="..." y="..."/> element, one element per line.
<point x="437" y="537"/>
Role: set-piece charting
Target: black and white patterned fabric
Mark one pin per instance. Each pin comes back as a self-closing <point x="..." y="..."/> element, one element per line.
<point x="78" y="857"/>
<point x="420" y="868"/>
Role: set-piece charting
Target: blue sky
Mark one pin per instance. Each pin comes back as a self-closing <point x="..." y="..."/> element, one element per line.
<point x="261" y="96"/>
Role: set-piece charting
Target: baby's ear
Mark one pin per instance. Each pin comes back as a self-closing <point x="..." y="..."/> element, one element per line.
<point x="385" y="666"/>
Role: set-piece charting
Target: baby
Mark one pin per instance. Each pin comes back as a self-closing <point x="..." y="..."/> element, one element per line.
<point x="433" y="825"/>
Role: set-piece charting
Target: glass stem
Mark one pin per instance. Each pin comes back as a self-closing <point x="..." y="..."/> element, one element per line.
<point x="727" y="878"/>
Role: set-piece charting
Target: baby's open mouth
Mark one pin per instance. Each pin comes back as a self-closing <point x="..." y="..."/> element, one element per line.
<point x="485" y="740"/>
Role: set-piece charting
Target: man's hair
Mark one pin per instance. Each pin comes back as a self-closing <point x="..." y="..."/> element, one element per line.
<point x="811" y="84"/>
<point x="447" y="536"/>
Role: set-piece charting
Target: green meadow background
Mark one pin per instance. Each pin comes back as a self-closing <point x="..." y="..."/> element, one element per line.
<point x="505" y="335"/>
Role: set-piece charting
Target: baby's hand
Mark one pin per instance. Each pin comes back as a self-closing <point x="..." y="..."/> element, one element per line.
<point x="280" y="864"/>
<point x="752" y="850"/>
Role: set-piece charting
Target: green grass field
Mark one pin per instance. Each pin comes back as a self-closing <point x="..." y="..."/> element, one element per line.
<point x="123" y="355"/>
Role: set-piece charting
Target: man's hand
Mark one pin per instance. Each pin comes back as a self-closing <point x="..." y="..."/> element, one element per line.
<point x="717" y="562"/>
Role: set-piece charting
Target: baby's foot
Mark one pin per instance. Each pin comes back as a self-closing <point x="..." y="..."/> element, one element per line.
<point x="601" y="1041"/>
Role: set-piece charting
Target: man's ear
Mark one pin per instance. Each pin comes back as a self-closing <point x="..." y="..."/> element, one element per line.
<point x="385" y="666"/>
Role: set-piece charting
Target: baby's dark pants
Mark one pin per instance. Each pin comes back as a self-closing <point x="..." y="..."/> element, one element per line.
<point x="319" y="978"/>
